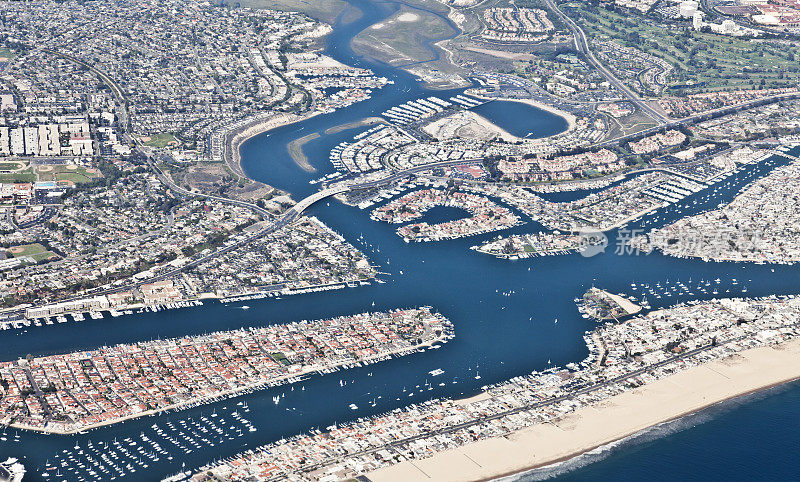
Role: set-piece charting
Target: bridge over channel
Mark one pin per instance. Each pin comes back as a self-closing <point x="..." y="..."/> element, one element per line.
<point x="784" y="154"/>
<point x="305" y="203"/>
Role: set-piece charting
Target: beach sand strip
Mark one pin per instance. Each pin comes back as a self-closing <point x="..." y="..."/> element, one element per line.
<point x="613" y="419"/>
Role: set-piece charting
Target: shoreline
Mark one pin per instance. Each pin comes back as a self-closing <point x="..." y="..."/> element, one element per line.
<point x="258" y="126"/>
<point x="495" y="129"/>
<point x="245" y="296"/>
<point x="620" y="439"/>
<point x="286" y="379"/>
<point x="539" y="105"/>
<point x="608" y="421"/>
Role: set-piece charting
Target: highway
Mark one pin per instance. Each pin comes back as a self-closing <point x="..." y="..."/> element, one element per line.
<point x="186" y="193"/>
<point x="703" y="116"/>
<point x="293" y="213"/>
<point x="317" y="196"/>
<point x="582" y="46"/>
<point x="275" y="224"/>
<point x="398" y="175"/>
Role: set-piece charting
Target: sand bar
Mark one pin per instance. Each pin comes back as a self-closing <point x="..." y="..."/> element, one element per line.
<point x="296" y="151"/>
<point x="367" y="121"/>
<point x="610" y="420"/>
<point x="255" y="127"/>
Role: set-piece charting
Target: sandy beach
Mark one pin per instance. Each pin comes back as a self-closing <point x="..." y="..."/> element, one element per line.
<point x="467" y="124"/>
<point x="539" y="105"/>
<point x="613" y="419"/>
<point x="254" y="129"/>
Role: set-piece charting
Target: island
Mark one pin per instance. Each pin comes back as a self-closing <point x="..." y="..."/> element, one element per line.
<point x="82" y="390"/>
<point x="603" y="306"/>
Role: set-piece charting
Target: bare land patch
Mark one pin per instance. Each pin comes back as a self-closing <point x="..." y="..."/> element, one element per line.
<point x="296" y="151"/>
<point x="216" y="178"/>
<point x="412" y="37"/>
<point x="466" y="124"/>
<point x="324" y="10"/>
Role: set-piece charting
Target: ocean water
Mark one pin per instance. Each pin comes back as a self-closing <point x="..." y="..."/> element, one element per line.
<point x="504" y="313"/>
<point x="754" y="437"/>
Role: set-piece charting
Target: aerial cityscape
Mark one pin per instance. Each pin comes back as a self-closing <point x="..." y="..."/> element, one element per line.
<point x="402" y="240"/>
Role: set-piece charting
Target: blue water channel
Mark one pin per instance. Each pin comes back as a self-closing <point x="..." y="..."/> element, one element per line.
<point x="511" y="317"/>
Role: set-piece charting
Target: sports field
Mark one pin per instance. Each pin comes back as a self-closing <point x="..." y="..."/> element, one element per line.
<point x="159" y="141"/>
<point x="35" y="251"/>
<point x="67" y="173"/>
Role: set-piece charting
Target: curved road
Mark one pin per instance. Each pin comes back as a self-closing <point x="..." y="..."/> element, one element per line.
<point x="582" y="46"/>
<point x="293" y="213"/>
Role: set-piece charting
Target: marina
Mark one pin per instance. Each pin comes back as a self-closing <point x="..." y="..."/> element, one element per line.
<point x="167" y="441"/>
<point x="503" y="311"/>
<point x="84" y="390"/>
<point x="34" y="320"/>
<point x="486" y="215"/>
<point x="528" y="344"/>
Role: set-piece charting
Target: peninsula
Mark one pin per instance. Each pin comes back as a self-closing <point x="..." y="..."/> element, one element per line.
<point x="639" y="373"/>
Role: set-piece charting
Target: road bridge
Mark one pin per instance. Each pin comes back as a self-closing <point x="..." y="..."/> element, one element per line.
<point x="318" y="196"/>
<point x="783" y="154"/>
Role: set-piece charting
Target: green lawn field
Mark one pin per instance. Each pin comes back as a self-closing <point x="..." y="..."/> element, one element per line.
<point x="703" y="62"/>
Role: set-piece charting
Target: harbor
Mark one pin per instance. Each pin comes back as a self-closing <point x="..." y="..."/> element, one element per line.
<point x="512" y="318"/>
<point x="533" y="293"/>
<point x="486" y="216"/>
<point x="84" y="390"/>
<point x="622" y="358"/>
